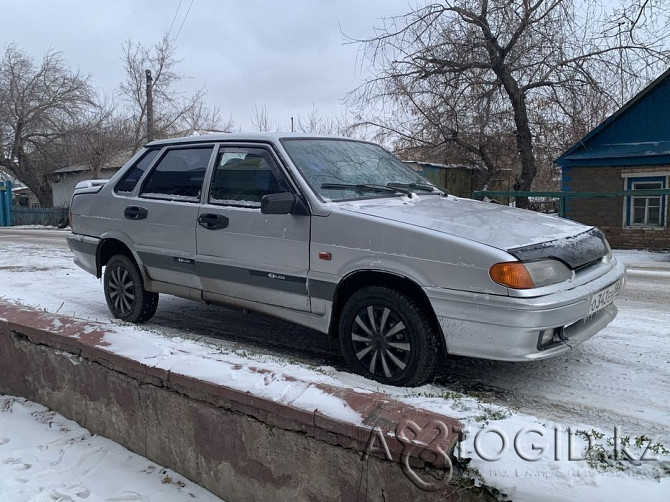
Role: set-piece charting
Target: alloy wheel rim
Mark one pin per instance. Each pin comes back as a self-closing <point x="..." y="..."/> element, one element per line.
<point x="121" y="290"/>
<point x="381" y="341"/>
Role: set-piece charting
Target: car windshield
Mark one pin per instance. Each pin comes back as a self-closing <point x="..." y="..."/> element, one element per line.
<point x="340" y="169"/>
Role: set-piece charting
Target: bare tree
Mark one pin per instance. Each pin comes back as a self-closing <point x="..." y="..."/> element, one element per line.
<point x="640" y="18"/>
<point x="261" y="120"/>
<point x="316" y="123"/>
<point x="313" y="123"/>
<point x="100" y="136"/>
<point x="201" y="118"/>
<point x="465" y="74"/>
<point x="39" y="105"/>
<point x="175" y="112"/>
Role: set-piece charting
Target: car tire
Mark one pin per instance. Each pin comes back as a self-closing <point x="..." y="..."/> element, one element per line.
<point x="124" y="291"/>
<point x="387" y="336"/>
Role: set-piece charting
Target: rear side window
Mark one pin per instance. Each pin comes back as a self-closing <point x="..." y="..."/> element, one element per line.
<point x="178" y="175"/>
<point x="129" y="180"/>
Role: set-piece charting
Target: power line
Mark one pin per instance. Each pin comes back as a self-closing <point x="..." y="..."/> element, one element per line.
<point x="174" y="19"/>
<point x="182" y="23"/>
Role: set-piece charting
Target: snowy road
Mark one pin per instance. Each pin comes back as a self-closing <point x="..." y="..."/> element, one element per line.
<point x="621" y="377"/>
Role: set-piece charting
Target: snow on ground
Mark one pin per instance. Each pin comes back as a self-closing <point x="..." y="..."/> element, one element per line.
<point x="620" y="378"/>
<point x="635" y="256"/>
<point x="47" y="458"/>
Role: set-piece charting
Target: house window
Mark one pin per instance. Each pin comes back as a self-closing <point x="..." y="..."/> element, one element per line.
<point x="646" y="210"/>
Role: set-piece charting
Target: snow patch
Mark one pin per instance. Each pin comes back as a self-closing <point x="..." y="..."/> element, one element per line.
<point x="47" y="457"/>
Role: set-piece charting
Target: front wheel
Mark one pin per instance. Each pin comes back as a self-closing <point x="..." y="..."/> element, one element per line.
<point x="124" y="291"/>
<point x="387" y="336"/>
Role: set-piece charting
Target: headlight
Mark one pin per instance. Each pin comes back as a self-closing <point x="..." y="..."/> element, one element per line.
<point x="534" y="274"/>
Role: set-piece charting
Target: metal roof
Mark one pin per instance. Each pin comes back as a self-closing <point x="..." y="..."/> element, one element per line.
<point x="114" y="163"/>
<point x="637" y="133"/>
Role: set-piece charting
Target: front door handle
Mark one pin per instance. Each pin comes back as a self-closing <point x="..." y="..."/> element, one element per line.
<point x="135" y="213"/>
<point x="212" y="221"/>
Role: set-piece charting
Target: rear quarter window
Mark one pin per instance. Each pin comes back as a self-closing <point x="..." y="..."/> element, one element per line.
<point x="129" y="180"/>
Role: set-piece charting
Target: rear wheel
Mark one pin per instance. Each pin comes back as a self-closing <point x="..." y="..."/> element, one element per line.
<point x="124" y="291"/>
<point x="387" y="336"/>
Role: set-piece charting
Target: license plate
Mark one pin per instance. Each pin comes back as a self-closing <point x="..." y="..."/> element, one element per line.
<point x="604" y="297"/>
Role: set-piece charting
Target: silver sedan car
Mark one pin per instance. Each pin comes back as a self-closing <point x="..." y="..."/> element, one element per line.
<point x="339" y="235"/>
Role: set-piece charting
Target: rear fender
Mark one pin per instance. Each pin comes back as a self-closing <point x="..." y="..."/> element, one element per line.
<point x="123" y="239"/>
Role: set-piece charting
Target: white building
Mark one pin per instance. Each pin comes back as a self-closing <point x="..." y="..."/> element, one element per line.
<point x="64" y="180"/>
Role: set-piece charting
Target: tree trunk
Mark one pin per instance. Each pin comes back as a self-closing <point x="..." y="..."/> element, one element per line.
<point x="524" y="138"/>
<point x="36" y="179"/>
<point x="44" y="194"/>
<point x="40" y="186"/>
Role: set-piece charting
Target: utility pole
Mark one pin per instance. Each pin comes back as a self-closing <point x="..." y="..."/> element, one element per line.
<point x="150" y="106"/>
<point x="292" y="129"/>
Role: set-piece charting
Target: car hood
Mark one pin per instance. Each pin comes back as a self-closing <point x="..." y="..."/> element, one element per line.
<point x="526" y="234"/>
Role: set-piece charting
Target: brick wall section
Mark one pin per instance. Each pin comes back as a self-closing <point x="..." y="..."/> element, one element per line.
<point x="607" y="214"/>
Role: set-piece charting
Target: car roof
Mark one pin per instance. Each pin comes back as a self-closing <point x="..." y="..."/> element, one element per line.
<point x="253" y="136"/>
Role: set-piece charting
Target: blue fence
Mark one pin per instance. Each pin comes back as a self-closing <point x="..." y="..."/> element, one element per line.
<point x="50" y="217"/>
<point x="5" y="203"/>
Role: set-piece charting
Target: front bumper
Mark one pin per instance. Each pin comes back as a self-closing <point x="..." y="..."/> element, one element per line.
<point x="508" y="329"/>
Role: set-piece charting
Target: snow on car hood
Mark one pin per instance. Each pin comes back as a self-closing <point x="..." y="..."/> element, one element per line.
<point x="495" y="225"/>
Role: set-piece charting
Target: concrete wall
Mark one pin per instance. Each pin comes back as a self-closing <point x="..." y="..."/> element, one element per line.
<point x="239" y="446"/>
<point x="608" y="214"/>
<point x="63" y="189"/>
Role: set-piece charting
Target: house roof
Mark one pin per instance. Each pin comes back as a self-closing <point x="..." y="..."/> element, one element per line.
<point x="114" y="163"/>
<point x="21" y="190"/>
<point x="637" y="133"/>
<point x="81" y="168"/>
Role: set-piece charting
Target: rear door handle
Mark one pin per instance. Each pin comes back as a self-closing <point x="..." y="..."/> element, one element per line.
<point x="212" y="221"/>
<point x="135" y="213"/>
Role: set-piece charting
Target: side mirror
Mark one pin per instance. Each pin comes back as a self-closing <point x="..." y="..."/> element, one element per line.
<point x="278" y="203"/>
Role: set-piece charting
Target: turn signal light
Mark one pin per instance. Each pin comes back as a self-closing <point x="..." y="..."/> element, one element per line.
<point x="511" y="274"/>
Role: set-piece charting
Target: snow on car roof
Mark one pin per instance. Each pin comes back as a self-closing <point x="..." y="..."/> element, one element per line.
<point x="251" y="136"/>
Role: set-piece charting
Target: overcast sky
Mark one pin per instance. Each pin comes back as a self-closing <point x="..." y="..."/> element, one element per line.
<point x="288" y="55"/>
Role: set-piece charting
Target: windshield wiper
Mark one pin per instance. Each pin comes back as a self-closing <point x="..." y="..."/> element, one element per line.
<point x="366" y="187"/>
<point x="413" y="186"/>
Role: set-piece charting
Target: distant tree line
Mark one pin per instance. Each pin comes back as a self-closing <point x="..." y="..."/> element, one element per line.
<point x="51" y="116"/>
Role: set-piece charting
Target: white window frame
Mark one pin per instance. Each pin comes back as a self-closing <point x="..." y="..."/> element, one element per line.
<point x="647" y="205"/>
<point x="629" y="182"/>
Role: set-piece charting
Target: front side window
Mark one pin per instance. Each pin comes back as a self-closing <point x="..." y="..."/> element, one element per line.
<point x="129" y="180"/>
<point x="646" y="210"/>
<point x="243" y="175"/>
<point x="342" y="169"/>
<point x="178" y="175"/>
